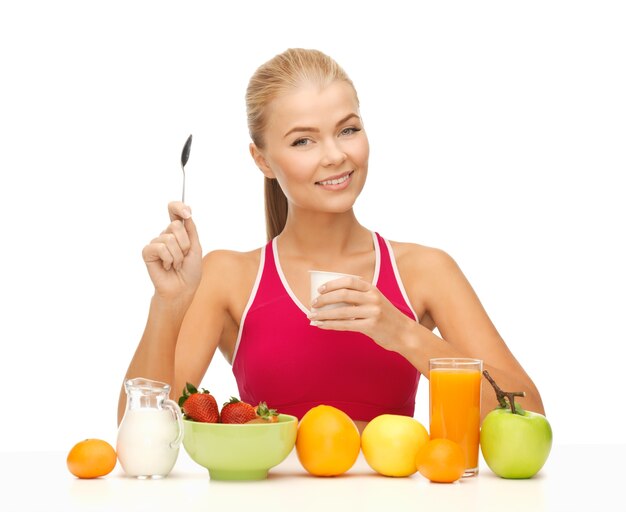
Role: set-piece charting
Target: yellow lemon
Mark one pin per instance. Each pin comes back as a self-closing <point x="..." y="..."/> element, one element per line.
<point x="390" y="443"/>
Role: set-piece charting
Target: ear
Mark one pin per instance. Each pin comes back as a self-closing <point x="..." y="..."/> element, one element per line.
<point x="260" y="161"/>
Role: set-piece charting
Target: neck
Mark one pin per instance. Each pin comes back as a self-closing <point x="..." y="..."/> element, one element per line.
<point x="327" y="234"/>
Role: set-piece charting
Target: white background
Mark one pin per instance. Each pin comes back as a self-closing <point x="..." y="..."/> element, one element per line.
<point x="497" y="133"/>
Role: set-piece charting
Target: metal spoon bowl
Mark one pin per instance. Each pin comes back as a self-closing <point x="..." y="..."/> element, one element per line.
<point x="184" y="157"/>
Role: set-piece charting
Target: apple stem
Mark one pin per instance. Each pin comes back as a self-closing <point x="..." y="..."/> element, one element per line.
<point x="502" y="396"/>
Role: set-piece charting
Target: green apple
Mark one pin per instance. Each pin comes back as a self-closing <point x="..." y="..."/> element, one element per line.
<point x="514" y="443"/>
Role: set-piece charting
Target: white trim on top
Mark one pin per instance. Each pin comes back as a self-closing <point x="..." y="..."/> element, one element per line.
<point x="283" y="279"/>
<point x="392" y="257"/>
<point x="255" y="288"/>
<point x="377" y="257"/>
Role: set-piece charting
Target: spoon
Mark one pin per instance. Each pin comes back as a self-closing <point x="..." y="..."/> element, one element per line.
<point x="183" y="161"/>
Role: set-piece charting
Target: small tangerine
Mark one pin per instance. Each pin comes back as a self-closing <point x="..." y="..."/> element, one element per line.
<point x="441" y="460"/>
<point x="91" y="458"/>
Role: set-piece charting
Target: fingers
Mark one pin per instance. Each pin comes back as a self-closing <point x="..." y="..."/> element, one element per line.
<point x="165" y="248"/>
<point x="192" y="236"/>
<point x="346" y="295"/>
<point x="175" y="242"/>
<point x="157" y="251"/>
<point x="178" y="211"/>
<point x="180" y="215"/>
<point x="347" y="312"/>
<point x="361" y="301"/>
<point x="178" y="231"/>
<point x="352" y="283"/>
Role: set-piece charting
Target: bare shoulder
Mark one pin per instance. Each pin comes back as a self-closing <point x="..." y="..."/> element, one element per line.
<point x="421" y="261"/>
<point x="231" y="267"/>
<point x="227" y="278"/>
<point x="223" y="259"/>
<point x="429" y="275"/>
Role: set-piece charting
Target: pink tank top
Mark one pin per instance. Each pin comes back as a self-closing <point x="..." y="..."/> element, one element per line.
<point x="281" y="359"/>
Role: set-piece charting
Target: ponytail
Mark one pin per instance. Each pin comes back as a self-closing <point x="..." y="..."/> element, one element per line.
<point x="275" y="208"/>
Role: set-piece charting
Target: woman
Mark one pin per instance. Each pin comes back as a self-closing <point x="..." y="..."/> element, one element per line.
<point x="365" y="358"/>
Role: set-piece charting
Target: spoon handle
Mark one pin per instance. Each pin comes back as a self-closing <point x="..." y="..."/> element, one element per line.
<point x="183" y="183"/>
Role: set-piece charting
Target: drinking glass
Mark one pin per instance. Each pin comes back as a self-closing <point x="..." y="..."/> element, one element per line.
<point x="455" y="385"/>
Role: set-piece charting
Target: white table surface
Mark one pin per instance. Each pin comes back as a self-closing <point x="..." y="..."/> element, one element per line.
<point x="585" y="477"/>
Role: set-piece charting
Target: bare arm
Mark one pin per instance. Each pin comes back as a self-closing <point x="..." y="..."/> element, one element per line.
<point x="202" y="329"/>
<point x="466" y="329"/>
<point x="184" y="329"/>
<point x="173" y="260"/>
<point x="436" y="286"/>
<point x="154" y="357"/>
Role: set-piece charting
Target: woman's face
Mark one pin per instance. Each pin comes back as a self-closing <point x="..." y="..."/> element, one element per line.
<point x="316" y="147"/>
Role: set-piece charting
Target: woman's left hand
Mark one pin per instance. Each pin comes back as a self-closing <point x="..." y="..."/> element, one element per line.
<point x="365" y="310"/>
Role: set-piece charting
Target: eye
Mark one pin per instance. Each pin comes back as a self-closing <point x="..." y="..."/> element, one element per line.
<point x="300" y="142"/>
<point x="350" y="130"/>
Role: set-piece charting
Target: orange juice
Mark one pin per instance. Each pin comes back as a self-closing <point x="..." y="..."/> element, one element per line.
<point x="455" y="408"/>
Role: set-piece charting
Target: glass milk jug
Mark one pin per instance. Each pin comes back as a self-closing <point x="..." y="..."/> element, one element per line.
<point x="151" y="431"/>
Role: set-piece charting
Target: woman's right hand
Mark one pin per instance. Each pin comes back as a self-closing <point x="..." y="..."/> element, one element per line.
<point x="174" y="258"/>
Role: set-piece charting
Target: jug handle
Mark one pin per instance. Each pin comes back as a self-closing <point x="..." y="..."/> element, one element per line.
<point x="173" y="406"/>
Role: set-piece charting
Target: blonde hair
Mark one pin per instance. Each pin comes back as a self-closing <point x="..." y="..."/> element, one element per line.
<point x="285" y="72"/>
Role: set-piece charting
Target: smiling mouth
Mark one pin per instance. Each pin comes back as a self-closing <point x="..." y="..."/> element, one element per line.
<point x="336" y="181"/>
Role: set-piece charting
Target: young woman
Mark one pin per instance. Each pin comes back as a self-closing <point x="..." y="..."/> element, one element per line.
<point x="309" y="141"/>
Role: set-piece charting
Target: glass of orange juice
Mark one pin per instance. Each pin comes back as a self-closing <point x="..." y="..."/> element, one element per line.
<point x="455" y="405"/>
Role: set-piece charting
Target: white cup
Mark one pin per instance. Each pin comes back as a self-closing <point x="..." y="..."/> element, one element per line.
<point x="320" y="277"/>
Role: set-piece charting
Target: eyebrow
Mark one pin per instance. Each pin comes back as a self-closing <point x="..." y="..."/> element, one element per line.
<point x="316" y="130"/>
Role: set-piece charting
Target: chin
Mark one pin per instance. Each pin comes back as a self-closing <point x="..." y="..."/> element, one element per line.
<point x="339" y="207"/>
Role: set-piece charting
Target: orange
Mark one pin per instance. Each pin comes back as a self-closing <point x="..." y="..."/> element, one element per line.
<point x="91" y="458"/>
<point x="328" y="441"/>
<point x="441" y="460"/>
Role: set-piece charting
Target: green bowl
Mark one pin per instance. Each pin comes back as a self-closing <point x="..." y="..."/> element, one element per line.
<point x="240" y="452"/>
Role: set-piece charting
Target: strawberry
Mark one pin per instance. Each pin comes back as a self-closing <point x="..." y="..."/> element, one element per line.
<point x="236" y="411"/>
<point x="256" y="420"/>
<point x="199" y="405"/>
<point x="264" y="413"/>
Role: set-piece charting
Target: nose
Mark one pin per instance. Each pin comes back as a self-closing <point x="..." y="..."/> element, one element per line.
<point x="333" y="154"/>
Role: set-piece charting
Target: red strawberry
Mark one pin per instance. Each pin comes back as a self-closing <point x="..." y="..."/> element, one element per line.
<point x="236" y="411"/>
<point x="199" y="405"/>
<point x="265" y="414"/>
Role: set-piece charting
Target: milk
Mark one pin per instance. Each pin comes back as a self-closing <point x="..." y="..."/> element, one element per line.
<point x="143" y="442"/>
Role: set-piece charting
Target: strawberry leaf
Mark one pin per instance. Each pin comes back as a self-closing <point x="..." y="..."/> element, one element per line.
<point x="264" y="411"/>
<point x="188" y="390"/>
